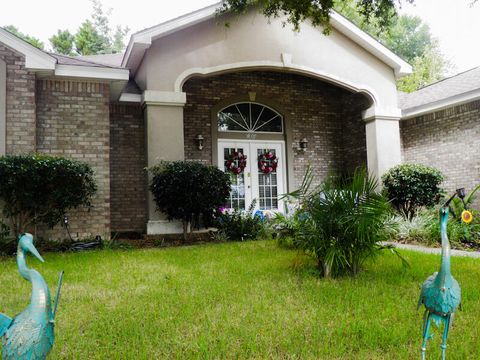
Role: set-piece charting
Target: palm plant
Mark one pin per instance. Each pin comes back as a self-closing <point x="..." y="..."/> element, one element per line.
<point x="344" y="223"/>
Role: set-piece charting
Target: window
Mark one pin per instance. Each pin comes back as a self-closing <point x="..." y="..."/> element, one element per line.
<point x="250" y="117"/>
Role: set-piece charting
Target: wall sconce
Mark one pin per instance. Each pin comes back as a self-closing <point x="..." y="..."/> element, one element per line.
<point x="303" y="145"/>
<point x="199" y="140"/>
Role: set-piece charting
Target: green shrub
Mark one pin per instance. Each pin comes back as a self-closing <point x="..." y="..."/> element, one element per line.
<point x="241" y="225"/>
<point x="188" y="191"/>
<point x="424" y="228"/>
<point x="343" y="223"/>
<point x="412" y="186"/>
<point x="40" y="189"/>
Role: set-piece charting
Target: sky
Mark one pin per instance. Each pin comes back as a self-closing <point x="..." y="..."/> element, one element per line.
<point x="453" y="22"/>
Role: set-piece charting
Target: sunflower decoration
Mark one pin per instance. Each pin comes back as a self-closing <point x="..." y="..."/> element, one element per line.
<point x="467" y="216"/>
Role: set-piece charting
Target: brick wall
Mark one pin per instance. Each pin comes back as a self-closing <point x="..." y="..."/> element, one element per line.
<point x="448" y="140"/>
<point x="327" y="116"/>
<point x="128" y="185"/>
<point x="20" y="103"/>
<point x="73" y="121"/>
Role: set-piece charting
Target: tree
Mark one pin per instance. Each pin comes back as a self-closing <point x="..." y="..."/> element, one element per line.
<point x="94" y="36"/>
<point x="30" y="39"/>
<point x="318" y="11"/>
<point x="88" y="41"/>
<point x="428" y="68"/>
<point x="62" y="42"/>
<point x="40" y="189"/>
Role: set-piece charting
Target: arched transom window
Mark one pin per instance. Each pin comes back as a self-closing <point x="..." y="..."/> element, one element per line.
<point x="250" y="117"/>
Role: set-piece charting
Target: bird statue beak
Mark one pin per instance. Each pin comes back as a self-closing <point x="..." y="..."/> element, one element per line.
<point x="34" y="252"/>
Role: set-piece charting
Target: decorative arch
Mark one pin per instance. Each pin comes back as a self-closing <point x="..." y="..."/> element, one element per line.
<point x="272" y="65"/>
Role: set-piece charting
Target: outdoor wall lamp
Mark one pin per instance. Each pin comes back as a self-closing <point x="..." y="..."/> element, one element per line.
<point x="199" y="140"/>
<point x="303" y="145"/>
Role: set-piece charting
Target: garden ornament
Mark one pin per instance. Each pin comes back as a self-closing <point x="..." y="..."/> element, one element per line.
<point x="440" y="292"/>
<point x="30" y="334"/>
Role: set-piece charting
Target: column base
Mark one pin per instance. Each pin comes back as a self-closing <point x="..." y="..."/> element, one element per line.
<point x="164" y="227"/>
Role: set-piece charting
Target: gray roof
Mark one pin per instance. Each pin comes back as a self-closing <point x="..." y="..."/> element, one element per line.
<point x="455" y="85"/>
<point x="112" y="60"/>
<point x="91" y="60"/>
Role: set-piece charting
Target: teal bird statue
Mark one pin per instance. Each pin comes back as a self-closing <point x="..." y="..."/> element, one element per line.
<point x="30" y="334"/>
<point x="441" y="293"/>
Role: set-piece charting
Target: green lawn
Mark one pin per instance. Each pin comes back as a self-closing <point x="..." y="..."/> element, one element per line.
<point x="241" y="300"/>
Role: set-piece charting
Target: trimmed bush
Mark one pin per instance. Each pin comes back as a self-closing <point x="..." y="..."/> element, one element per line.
<point x="40" y="189"/>
<point x="188" y="191"/>
<point x="412" y="186"/>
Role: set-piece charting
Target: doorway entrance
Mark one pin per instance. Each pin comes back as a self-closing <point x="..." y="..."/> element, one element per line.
<point x="257" y="171"/>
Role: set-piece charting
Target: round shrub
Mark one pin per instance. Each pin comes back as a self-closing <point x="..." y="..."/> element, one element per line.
<point x="412" y="186"/>
<point x="187" y="190"/>
<point x="40" y="189"/>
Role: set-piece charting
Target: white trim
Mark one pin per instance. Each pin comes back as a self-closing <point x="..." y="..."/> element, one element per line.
<point x="304" y="70"/>
<point x="370" y="44"/>
<point x="145" y="38"/>
<point x="441" y="104"/>
<point x="376" y="113"/>
<point x="127" y="97"/>
<point x="35" y="59"/>
<point x="164" y="98"/>
<point x="92" y="72"/>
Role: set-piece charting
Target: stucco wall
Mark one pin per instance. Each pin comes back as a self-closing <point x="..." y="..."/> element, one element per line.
<point x="254" y="42"/>
<point x="327" y="116"/>
<point x="20" y="103"/>
<point x="73" y="121"/>
<point x="448" y="140"/>
<point x="128" y="186"/>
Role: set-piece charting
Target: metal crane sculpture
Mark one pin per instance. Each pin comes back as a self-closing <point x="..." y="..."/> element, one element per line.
<point x="441" y="293"/>
<point x="30" y="334"/>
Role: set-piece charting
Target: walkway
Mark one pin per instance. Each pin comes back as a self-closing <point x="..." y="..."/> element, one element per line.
<point x="427" y="250"/>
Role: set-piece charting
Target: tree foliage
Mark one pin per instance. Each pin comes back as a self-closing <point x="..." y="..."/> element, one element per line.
<point x="30" y="39"/>
<point x="40" y="189"/>
<point x="94" y="36"/>
<point x="411" y="186"/>
<point x="62" y="42"/>
<point x="317" y="11"/>
<point x="187" y="190"/>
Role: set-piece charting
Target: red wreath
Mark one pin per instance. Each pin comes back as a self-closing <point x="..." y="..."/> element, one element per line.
<point x="236" y="163"/>
<point x="267" y="162"/>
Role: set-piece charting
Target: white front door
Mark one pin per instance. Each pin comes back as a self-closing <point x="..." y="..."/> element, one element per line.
<point x="252" y="184"/>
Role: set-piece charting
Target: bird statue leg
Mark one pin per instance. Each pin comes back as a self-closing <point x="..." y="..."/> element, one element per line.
<point x="57" y="297"/>
<point x="426" y="330"/>
<point x="445" y="334"/>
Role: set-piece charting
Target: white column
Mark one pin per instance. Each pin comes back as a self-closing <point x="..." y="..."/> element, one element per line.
<point x="383" y="142"/>
<point x="164" y="127"/>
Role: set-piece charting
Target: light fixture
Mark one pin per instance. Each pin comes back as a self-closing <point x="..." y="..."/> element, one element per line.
<point x="303" y="145"/>
<point x="199" y="140"/>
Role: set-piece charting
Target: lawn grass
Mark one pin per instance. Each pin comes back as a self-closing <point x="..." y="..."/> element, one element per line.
<point x="241" y="300"/>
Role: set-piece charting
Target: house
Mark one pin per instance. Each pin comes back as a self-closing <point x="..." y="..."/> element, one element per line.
<point x="194" y="89"/>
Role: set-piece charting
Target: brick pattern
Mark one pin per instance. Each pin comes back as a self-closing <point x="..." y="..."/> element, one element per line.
<point x="327" y="116"/>
<point x="20" y="107"/>
<point x="128" y="184"/>
<point x="448" y="140"/>
<point x="73" y="121"/>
